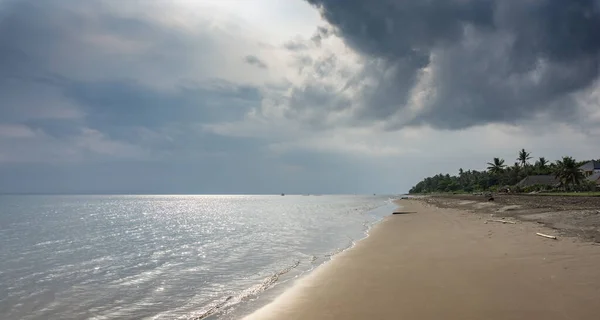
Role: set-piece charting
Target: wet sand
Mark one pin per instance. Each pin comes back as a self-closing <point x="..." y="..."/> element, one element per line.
<point x="449" y="264"/>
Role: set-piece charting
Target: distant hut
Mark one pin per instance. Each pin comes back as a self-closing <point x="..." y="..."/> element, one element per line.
<point x="595" y="178"/>
<point x="539" y="180"/>
<point x="590" y="168"/>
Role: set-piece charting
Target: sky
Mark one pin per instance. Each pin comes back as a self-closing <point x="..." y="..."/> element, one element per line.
<point x="292" y="96"/>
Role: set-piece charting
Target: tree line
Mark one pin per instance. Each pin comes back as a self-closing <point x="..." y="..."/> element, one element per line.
<point x="499" y="176"/>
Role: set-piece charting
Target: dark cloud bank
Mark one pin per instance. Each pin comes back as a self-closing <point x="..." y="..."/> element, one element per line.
<point x="492" y="60"/>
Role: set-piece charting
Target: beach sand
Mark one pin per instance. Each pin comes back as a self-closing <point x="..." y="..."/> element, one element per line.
<point x="437" y="263"/>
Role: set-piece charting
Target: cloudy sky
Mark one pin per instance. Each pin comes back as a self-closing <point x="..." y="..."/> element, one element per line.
<point x="294" y="96"/>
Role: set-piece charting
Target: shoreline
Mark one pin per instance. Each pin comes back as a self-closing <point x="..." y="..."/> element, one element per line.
<point x="448" y="263"/>
<point x="286" y="281"/>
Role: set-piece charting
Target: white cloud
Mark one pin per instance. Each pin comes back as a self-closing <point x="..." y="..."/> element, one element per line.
<point x="275" y="20"/>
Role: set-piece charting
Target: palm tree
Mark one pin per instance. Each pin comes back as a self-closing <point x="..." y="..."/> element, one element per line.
<point x="542" y="163"/>
<point x="523" y="157"/>
<point x="567" y="171"/>
<point x="497" y="166"/>
<point x="515" y="173"/>
<point x="541" y="166"/>
<point x="516" y="168"/>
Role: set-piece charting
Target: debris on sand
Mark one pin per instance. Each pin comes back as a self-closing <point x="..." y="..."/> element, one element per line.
<point x="546" y="236"/>
<point x="502" y="221"/>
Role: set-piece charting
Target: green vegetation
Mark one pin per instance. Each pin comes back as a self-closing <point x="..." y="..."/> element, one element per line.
<point x="567" y="170"/>
<point x="500" y="177"/>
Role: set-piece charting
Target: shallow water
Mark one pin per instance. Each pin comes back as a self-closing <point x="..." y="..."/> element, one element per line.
<point x="164" y="257"/>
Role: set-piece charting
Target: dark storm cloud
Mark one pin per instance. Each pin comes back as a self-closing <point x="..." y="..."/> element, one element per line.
<point x="490" y="60"/>
<point x="255" y="61"/>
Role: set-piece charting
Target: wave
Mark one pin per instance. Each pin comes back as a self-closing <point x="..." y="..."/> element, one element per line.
<point x="230" y="301"/>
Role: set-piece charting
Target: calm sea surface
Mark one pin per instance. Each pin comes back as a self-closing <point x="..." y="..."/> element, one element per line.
<point x="165" y="257"/>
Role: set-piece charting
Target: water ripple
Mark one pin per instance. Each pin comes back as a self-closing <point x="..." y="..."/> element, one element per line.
<point x="163" y="257"/>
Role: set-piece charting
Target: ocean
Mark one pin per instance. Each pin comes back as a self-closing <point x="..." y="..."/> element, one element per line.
<point x="167" y="257"/>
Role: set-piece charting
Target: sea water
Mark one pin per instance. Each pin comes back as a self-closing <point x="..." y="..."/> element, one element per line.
<point x="165" y="257"/>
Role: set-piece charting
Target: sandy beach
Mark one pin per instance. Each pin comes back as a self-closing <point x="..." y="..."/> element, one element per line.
<point x="445" y="263"/>
<point x="573" y="216"/>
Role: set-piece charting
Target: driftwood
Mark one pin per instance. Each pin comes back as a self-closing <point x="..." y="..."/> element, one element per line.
<point x="502" y="221"/>
<point x="546" y="236"/>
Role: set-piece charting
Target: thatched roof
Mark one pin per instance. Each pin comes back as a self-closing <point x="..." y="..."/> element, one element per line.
<point x="546" y="180"/>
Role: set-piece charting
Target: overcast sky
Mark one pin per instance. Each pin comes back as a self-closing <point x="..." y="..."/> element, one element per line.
<point x="294" y="96"/>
